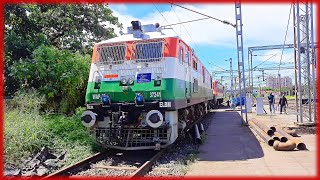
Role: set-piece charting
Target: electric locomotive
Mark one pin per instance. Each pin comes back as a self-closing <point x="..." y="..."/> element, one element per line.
<point x="218" y="92"/>
<point x="145" y="88"/>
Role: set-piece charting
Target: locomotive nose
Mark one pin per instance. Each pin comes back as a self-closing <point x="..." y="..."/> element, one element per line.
<point x="88" y="118"/>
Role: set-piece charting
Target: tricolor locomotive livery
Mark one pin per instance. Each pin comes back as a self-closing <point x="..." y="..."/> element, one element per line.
<point x="145" y="88"/>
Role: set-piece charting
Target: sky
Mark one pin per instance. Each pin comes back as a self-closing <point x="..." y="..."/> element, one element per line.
<point x="214" y="42"/>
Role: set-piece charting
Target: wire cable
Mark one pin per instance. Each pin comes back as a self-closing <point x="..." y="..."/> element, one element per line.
<point x="265" y="61"/>
<point x="185" y="29"/>
<point x="186" y="22"/>
<point x="164" y="18"/>
<point x="223" y="21"/>
<point x="285" y="39"/>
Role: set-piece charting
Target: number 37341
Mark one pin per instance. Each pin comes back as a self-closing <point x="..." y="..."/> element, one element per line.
<point x="155" y="94"/>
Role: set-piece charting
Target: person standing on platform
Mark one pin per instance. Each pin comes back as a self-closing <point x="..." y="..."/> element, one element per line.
<point x="283" y="104"/>
<point x="271" y="102"/>
<point x="233" y="103"/>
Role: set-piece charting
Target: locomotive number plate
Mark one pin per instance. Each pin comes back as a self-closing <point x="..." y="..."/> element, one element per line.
<point x="96" y="96"/>
<point x="143" y="78"/>
<point x="154" y="94"/>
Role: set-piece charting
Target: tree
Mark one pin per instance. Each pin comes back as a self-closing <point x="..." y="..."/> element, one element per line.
<point x="72" y="27"/>
<point x="75" y="27"/>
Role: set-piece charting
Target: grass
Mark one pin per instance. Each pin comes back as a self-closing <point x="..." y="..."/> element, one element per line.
<point x="26" y="132"/>
<point x="290" y="97"/>
<point x="188" y="160"/>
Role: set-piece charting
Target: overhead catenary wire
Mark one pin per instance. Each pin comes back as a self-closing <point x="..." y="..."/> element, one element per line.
<point x="217" y="66"/>
<point x="223" y="21"/>
<point x="284" y="42"/>
<point x="265" y="61"/>
<point x="185" y="29"/>
<point x="195" y="20"/>
<point x="164" y="18"/>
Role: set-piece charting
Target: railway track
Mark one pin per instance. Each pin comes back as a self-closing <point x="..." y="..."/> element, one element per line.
<point x="116" y="163"/>
<point x="112" y="163"/>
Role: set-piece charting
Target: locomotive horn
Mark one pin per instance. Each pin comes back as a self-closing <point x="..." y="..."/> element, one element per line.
<point x="88" y="118"/>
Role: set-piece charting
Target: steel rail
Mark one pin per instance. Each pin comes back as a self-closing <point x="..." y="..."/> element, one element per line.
<point x="74" y="167"/>
<point x="147" y="165"/>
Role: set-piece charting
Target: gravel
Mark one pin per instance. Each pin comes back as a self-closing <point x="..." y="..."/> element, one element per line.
<point x="111" y="161"/>
<point x="176" y="161"/>
<point x="305" y="130"/>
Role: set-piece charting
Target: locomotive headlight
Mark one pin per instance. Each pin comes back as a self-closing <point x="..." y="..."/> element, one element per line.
<point x="88" y="118"/>
<point x="123" y="81"/>
<point x="105" y="99"/>
<point x="130" y="81"/>
<point x="154" y="118"/>
<point x="139" y="100"/>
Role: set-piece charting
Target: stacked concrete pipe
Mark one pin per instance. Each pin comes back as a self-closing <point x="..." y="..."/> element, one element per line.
<point x="280" y="137"/>
<point x="263" y="127"/>
<point x="277" y="140"/>
<point x="298" y="144"/>
<point x="284" y="146"/>
<point x="262" y="133"/>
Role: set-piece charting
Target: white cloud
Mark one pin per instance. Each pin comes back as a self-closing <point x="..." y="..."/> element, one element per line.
<point x="121" y="8"/>
<point x="263" y="24"/>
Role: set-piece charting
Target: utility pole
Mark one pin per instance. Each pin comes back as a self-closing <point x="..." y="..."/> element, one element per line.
<point x="279" y="77"/>
<point x="305" y="60"/>
<point x="259" y="86"/>
<point x="231" y="77"/>
<point x="225" y="90"/>
<point x="249" y="67"/>
<point x="239" y="35"/>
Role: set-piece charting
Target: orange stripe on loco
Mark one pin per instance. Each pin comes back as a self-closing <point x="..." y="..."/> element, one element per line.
<point x="94" y="54"/>
<point x="111" y="76"/>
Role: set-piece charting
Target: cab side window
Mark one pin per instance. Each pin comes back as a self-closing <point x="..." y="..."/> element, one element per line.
<point x="186" y="58"/>
<point x="181" y="55"/>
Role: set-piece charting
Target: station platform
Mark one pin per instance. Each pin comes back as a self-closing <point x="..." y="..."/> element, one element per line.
<point x="233" y="149"/>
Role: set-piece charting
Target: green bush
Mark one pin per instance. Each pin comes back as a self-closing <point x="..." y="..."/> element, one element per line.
<point x="60" y="75"/>
<point x="28" y="101"/>
<point x="26" y="132"/>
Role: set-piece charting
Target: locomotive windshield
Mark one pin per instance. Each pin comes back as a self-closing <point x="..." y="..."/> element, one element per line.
<point x="149" y="51"/>
<point x="112" y="54"/>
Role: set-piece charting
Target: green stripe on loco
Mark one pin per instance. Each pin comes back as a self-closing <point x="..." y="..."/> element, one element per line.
<point x="170" y="89"/>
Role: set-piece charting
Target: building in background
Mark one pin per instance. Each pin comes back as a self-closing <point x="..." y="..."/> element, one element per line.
<point x="275" y="82"/>
<point x="285" y="83"/>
